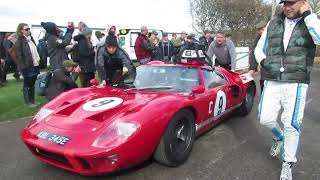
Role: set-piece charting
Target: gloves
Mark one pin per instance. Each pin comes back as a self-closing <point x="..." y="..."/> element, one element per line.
<point x="124" y="70"/>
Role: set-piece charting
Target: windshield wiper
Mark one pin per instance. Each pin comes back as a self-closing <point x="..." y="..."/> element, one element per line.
<point x="153" y="87"/>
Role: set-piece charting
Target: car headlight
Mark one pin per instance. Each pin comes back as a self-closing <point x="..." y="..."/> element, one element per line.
<point x="126" y="128"/>
<point x="116" y="134"/>
<point x="42" y="114"/>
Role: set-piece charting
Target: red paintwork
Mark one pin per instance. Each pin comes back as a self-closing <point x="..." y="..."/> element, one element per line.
<point x="152" y="110"/>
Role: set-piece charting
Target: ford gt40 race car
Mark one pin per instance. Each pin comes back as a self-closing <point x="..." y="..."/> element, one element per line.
<point x="98" y="130"/>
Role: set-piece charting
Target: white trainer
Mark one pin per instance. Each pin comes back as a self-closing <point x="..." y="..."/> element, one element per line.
<point x="276" y="148"/>
<point x="286" y="172"/>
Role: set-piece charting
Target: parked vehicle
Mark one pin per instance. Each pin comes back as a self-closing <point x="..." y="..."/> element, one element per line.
<point x="98" y="130"/>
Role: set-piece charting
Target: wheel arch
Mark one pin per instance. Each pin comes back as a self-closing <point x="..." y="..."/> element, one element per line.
<point x="249" y="85"/>
<point x="188" y="108"/>
<point x="160" y="152"/>
<point x="252" y="83"/>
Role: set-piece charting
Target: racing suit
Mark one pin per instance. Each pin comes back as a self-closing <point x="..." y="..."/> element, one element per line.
<point x="286" y="53"/>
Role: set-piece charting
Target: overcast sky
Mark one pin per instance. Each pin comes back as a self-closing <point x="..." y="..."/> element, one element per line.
<point x="168" y="15"/>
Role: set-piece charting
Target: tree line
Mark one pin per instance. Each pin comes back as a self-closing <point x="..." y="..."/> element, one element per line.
<point x="236" y="17"/>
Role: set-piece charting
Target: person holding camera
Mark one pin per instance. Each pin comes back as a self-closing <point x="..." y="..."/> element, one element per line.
<point x="63" y="79"/>
<point x="86" y="56"/>
<point x="56" y="43"/>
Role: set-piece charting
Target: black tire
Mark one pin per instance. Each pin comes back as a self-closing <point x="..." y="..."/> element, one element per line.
<point x="247" y="102"/>
<point x="177" y="141"/>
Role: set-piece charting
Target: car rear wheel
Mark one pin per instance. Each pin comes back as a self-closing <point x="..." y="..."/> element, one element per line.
<point x="247" y="102"/>
<point x="177" y="141"/>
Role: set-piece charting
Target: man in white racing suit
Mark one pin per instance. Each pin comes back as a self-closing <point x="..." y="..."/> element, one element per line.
<point x="286" y="53"/>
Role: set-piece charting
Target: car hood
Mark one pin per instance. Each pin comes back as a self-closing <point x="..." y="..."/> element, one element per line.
<point x="92" y="108"/>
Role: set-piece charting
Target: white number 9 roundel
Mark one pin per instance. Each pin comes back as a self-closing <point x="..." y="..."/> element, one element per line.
<point x="102" y="104"/>
<point x="221" y="102"/>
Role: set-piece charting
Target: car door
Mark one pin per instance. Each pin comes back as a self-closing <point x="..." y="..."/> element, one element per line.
<point x="218" y="94"/>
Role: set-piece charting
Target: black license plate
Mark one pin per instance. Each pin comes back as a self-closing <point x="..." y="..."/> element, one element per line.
<point x="57" y="139"/>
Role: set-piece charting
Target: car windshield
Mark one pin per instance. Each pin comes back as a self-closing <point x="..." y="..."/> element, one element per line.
<point x="166" y="78"/>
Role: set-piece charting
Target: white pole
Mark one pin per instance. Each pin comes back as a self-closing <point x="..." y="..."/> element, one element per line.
<point x="273" y="8"/>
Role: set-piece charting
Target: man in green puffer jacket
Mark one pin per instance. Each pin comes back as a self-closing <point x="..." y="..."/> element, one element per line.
<point x="286" y="52"/>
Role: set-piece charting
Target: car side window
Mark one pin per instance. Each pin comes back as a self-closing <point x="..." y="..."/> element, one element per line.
<point x="213" y="79"/>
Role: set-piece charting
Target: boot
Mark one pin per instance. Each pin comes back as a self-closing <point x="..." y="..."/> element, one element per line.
<point x="25" y="91"/>
<point x="31" y="97"/>
<point x="27" y="97"/>
<point x="16" y="75"/>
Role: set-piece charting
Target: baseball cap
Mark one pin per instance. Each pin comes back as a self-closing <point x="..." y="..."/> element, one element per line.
<point x="191" y="36"/>
<point x="68" y="63"/>
<point x="282" y="1"/>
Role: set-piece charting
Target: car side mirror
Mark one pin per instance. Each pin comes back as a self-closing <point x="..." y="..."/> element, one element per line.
<point x="198" y="89"/>
<point x="94" y="82"/>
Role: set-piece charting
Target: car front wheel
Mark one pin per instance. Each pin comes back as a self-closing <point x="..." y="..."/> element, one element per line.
<point x="176" y="143"/>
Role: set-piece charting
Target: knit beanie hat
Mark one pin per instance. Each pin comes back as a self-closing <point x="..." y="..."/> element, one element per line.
<point x="86" y="31"/>
<point x="111" y="41"/>
<point x="50" y="27"/>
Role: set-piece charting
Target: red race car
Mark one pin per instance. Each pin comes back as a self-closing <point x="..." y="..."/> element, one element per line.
<point x="99" y="130"/>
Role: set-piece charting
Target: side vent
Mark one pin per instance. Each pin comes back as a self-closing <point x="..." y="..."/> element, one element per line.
<point x="98" y="117"/>
<point x="69" y="109"/>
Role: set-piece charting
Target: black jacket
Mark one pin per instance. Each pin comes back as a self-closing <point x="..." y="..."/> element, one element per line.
<point x="204" y="44"/>
<point x="60" y="82"/>
<point x="86" y="54"/>
<point x="111" y="65"/>
<point x="56" y="49"/>
<point x="168" y="49"/>
<point x="253" y="64"/>
<point x="24" y="56"/>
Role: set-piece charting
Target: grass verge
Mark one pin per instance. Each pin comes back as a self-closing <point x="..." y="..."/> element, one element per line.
<point x="12" y="105"/>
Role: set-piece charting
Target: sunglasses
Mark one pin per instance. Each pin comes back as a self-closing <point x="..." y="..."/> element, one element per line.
<point x="27" y="29"/>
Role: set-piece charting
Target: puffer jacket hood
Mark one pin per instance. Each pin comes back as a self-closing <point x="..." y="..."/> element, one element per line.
<point x="109" y="26"/>
<point x="108" y="29"/>
<point x="50" y="28"/>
